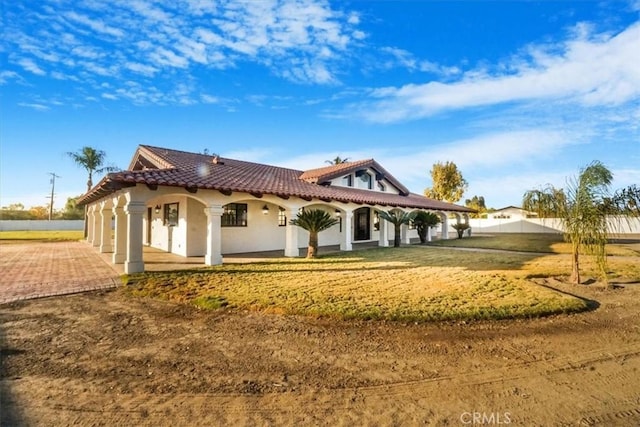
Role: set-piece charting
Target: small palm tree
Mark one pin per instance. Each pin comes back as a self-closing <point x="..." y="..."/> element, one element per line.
<point x="314" y="221"/>
<point x="397" y="218"/>
<point x="338" y="160"/>
<point x="582" y="209"/>
<point x="91" y="160"/>
<point x="460" y="227"/>
<point x="423" y="221"/>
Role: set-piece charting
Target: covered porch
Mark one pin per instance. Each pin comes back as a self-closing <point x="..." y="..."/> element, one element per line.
<point x="158" y="260"/>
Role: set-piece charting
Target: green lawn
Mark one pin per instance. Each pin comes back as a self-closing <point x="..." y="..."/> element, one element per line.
<point x="42" y="236"/>
<point x="414" y="283"/>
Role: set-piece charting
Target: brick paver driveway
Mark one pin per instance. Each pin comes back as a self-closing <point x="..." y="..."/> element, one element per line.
<point x="33" y="270"/>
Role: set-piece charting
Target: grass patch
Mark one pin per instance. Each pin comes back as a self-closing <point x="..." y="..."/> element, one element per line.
<point x="528" y="242"/>
<point x="210" y="302"/>
<point x="406" y="284"/>
<point x="41" y="236"/>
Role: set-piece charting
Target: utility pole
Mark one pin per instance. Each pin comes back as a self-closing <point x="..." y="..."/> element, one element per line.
<point x="53" y="187"/>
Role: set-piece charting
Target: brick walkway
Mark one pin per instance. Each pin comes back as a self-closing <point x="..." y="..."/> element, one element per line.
<point x="35" y="270"/>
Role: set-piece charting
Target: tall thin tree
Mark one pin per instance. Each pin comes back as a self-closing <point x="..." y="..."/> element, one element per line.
<point x="583" y="209"/>
<point x="92" y="161"/>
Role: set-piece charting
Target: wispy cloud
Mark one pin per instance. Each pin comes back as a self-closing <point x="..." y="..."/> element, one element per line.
<point x="305" y="41"/>
<point x="38" y="107"/>
<point x="95" y="25"/>
<point x="587" y="69"/>
<point x="30" y="65"/>
<point x="392" y="57"/>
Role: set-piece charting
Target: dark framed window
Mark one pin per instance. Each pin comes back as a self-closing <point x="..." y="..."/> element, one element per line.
<point x="381" y="186"/>
<point x="347" y="181"/>
<point x="171" y="214"/>
<point x="365" y="180"/>
<point x="235" y="215"/>
<point x="282" y="218"/>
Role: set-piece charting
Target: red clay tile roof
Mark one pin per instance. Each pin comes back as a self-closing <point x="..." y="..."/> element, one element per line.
<point x="333" y="171"/>
<point x="174" y="168"/>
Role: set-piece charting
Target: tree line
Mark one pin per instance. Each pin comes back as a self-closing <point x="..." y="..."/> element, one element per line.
<point x="17" y="211"/>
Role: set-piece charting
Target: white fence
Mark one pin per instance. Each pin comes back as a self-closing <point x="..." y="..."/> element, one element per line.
<point x="40" y="225"/>
<point x="497" y="225"/>
<point x="617" y="225"/>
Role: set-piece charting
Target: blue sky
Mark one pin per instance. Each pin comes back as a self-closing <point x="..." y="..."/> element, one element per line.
<point x="517" y="93"/>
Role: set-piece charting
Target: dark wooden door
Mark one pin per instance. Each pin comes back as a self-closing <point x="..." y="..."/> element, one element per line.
<point x="149" y="220"/>
<point x="362" y="224"/>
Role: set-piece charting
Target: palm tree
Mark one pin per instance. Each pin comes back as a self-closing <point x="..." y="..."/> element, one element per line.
<point x="626" y="201"/>
<point x="397" y="218"/>
<point x="314" y="221"/>
<point x="338" y="160"/>
<point x="582" y="208"/>
<point x="91" y="160"/>
<point x="423" y="221"/>
<point x="461" y="227"/>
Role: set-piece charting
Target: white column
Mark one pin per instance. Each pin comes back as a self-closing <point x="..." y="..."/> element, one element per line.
<point x="97" y="227"/>
<point x="428" y="234"/>
<point x="120" y="236"/>
<point x="214" y="235"/>
<point x="346" y="243"/>
<point x="133" y="262"/>
<point x="105" y="233"/>
<point x="291" y="248"/>
<point x="445" y="226"/>
<point x="90" y="225"/>
<point x="404" y="234"/>
<point x="384" y="232"/>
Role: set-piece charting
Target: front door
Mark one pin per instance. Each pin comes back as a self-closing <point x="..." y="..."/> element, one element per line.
<point x="362" y="224"/>
<point x="149" y="220"/>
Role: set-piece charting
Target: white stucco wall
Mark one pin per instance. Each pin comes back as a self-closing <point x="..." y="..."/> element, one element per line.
<point x="196" y="228"/>
<point x="332" y="236"/>
<point x="164" y="237"/>
<point x="262" y="232"/>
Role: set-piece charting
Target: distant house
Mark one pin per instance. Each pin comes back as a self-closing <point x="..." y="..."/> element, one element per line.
<point x="512" y="213"/>
<point x="194" y="204"/>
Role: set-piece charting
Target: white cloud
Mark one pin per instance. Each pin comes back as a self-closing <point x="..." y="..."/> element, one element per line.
<point x="589" y="69"/>
<point x="95" y="25"/>
<point x="39" y="107"/>
<point x="31" y="66"/>
<point x="144" y="69"/>
<point x="7" y="76"/>
<point x="208" y="99"/>
<point x="393" y="57"/>
<point x="306" y="41"/>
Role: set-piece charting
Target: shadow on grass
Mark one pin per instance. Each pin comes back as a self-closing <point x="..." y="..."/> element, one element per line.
<point x="10" y="413"/>
<point x="403" y="258"/>
<point x="249" y="270"/>
<point x="591" y="304"/>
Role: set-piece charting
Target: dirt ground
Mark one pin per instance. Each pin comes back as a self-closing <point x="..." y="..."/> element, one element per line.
<point x="108" y="359"/>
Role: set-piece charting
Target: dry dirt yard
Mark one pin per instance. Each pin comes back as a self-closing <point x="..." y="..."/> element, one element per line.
<point x="106" y="358"/>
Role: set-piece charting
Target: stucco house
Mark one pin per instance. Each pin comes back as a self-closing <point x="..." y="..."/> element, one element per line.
<point x="513" y="213"/>
<point x="194" y="204"/>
